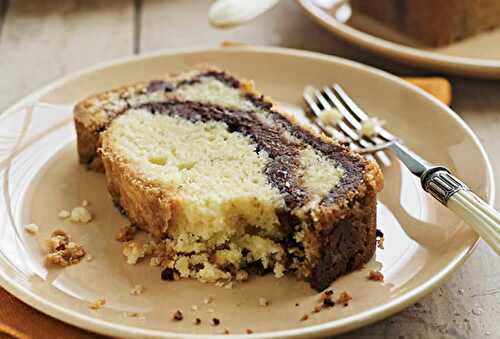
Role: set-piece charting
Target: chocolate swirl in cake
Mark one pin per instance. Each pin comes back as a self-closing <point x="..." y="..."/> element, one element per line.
<point x="282" y="171"/>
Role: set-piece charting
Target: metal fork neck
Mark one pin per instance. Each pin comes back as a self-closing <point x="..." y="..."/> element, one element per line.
<point x="441" y="184"/>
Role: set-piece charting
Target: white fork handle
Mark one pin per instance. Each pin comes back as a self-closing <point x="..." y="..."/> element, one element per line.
<point x="478" y="215"/>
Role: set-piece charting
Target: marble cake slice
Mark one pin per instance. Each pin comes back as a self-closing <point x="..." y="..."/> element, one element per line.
<point x="226" y="183"/>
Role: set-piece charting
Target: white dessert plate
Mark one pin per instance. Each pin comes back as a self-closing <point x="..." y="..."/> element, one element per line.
<point x="478" y="56"/>
<point x="40" y="175"/>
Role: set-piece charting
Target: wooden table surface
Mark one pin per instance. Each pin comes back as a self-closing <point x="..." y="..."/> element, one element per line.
<point x="42" y="40"/>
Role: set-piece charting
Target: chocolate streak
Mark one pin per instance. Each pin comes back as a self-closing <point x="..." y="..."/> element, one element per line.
<point x="282" y="170"/>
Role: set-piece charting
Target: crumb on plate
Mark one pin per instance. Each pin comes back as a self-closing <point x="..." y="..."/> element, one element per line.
<point x="63" y="251"/>
<point x="63" y="214"/>
<point x="80" y="215"/>
<point x="375" y="276"/>
<point x="137" y="290"/>
<point x="133" y="252"/>
<point x="344" y="298"/>
<point x="178" y="316"/>
<point x="97" y="304"/>
<point x="263" y="301"/>
<point x="32" y="229"/>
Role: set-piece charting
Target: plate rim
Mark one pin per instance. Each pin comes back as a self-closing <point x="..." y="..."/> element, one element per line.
<point x="464" y="66"/>
<point x="339" y="326"/>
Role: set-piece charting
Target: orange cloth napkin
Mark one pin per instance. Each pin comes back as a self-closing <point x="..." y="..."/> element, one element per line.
<point x="20" y="321"/>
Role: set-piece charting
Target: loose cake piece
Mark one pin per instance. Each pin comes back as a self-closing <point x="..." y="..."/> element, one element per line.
<point x="434" y="22"/>
<point x="226" y="183"/>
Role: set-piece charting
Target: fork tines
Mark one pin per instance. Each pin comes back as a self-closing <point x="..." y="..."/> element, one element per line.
<point x="348" y="128"/>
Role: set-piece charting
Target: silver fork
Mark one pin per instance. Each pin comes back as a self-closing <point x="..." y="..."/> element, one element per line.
<point x="436" y="180"/>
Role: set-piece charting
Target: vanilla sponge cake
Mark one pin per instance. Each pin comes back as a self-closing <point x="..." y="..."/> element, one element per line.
<point x="226" y="183"/>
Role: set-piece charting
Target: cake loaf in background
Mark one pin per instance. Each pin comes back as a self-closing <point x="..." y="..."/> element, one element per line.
<point x="433" y="22"/>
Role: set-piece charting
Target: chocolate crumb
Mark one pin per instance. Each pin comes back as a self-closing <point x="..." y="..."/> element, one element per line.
<point x="226" y="331"/>
<point x="375" y="276"/>
<point x="215" y="321"/>
<point x="248" y="331"/>
<point x="167" y="274"/>
<point x="317" y="309"/>
<point x="328" y="302"/>
<point x="297" y="304"/>
<point x="328" y="292"/>
<point x="197" y="321"/>
<point x="304" y="317"/>
<point x="178" y="316"/>
<point x="379" y="233"/>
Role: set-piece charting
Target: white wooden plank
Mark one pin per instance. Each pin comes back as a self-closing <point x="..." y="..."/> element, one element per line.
<point x="43" y="40"/>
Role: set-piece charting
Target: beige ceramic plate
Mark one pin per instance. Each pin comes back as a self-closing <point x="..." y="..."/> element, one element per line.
<point x="40" y="175"/>
<point x="478" y="56"/>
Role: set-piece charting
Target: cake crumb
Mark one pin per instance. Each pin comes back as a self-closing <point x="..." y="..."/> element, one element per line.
<point x="226" y="331"/>
<point x="375" y="276"/>
<point x="325" y="294"/>
<point x="89" y="257"/>
<point x="194" y="308"/>
<point x="197" y="321"/>
<point x="32" y="229"/>
<point x="380" y="243"/>
<point x="215" y="321"/>
<point x="263" y="302"/>
<point x="331" y="117"/>
<point x="126" y="233"/>
<point x="178" y="316"/>
<point x="304" y="317"/>
<point x="328" y="302"/>
<point x="62" y="251"/>
<point x="97" y="304"/>
<point x="134" y="315"/>
<point x="63" y="214"/>
<point x="248" y="331"/>
<point x="168" y="274"/>
<point x="133" y="252"/>
<point x="241" y="275"/>
<point x="297" y="304"/>
<point x="85" y="203"/>
<point x="229" y="285"/>
<point x="371" y="127"/>
<point x="316" y="309"/>
<point x="137" y="290"/>
<point x="80" y="215"/>
<point x="208" y="300"/>
<point x="344" y="298"/>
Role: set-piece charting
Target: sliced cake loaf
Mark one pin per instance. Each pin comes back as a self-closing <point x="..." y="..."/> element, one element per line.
<point x="227" y="183"/>
<point x="434" y="22"/>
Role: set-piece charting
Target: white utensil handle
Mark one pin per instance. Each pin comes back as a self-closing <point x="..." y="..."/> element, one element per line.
<point x="478" y="215"/>
<point x="228" y="13"/>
